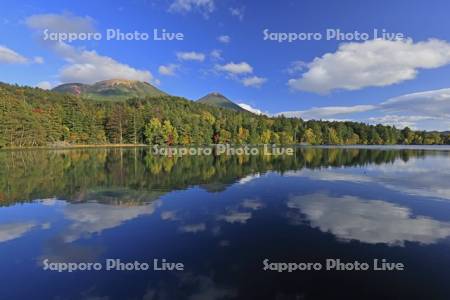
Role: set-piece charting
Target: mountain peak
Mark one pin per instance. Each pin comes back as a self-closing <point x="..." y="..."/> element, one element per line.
<point x="111" y="89"/>
<point x="218" y="100"/>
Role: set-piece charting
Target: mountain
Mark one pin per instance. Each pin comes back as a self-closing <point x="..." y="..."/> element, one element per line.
<point x="111" y="90"/>
<point x="219" y="100"/>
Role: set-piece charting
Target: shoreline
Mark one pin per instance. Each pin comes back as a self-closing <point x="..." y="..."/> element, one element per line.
<point x="354" y="146"/>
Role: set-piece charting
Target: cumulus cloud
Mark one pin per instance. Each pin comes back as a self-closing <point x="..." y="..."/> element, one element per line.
<point x="205" y="7"/>
<point x="61" y="23"/>
<point x="195" y="56"/>
<point x="240" y="72"/>
<point x="254" y="81"/>
<point x="10" y="56"/>
<point x="235" y="68"/>
<point x="45" y="85"/>
<point x="86" y="66"/>
<point x="38" y="60"/>
<point x="428" y="110"/>
<point x="434" y="103"/>
<point x="237" y="12"/>
<point x="83" y="66"/>
<point x="296" y="67"/>
<point x="224" y="39"/>
<point x="216" y="54"/>
<point x="251" y="109"/>
<point x="327" y="111"/>
<point x="371" y="63"/>
<point x="168" y="70"/>
<point x="367" y="221"/>
<point x="399" y="121"/>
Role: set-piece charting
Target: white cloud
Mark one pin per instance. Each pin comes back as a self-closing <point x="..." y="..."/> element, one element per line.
<point x="368" y="221"/>
<point x="371" y="63"/>
<point x="38" y="60"/>
<point x="168" y="70"/>
<point x="434" y="103"/>
<point x="237" y="12"/>
<point x="61" y="23"/>
<point x="45" y="85"/>
<point x="327" y="111"/>
<point x="83" y="66"/>
<point x="428" y="110"/>
<point x="253" y="81"/>
<point x="224" y="39"/>
<point x="296" y="67"/>
<point x="251" y="109"/>
<point x="87" y="67"/>
<point x="399" y="121"/>
<point x="196" y="56"/>
<point x="205" y="7"/>
<point x="9" y="56"/>
<point x="216" y="54"/>
<point x="235" y="68"/>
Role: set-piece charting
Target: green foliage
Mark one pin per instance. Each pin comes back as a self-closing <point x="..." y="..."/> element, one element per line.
<point x="34" y="117"/>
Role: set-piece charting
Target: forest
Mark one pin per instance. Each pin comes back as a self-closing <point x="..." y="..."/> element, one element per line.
<point x="31" y="117"/>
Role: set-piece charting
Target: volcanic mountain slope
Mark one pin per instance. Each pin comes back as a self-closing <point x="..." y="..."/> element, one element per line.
<point x="219" y="100"/>
<point x="111" y="90"/>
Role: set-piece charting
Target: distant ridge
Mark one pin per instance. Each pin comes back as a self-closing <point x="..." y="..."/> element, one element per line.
<point x="111" y="90"/>
<point x="220" y="101"/>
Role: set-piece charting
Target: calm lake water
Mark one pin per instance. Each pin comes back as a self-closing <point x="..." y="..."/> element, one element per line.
<point x="222" y="217"/>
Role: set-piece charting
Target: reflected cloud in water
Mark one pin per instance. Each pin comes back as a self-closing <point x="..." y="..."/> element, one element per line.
<point x="253" y="204"/>
<point x="90" y="218"/>
<point x="189" y="286"/>
<point x="13" y="231"/>
<point x="193" y="228"/>
<point x="368" y="221"/>
<point x="233" y="216"/>
<point x="419" y="177"/>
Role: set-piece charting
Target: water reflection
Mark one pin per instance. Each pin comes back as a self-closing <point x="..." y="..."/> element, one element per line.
<point x="368" y="221"/>
<point x="90" y="218"/>
<point x="136" y="176"/>
<point x="221" y="216"/>
<point x="13" y="231"/>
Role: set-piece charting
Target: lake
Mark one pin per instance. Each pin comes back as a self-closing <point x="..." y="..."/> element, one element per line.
<point x="232" y="222"/>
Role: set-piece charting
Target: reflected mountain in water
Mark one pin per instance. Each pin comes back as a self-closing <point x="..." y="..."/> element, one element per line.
<point x="221" y="216"/>
<point x="136" y="176"/>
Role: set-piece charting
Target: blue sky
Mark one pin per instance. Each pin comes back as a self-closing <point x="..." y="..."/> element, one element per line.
<point x="399" y="82"/>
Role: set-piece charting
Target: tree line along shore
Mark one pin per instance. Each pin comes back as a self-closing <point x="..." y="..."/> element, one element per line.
<point x="32" y="117"/>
